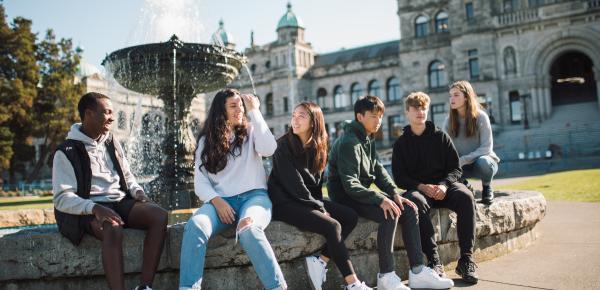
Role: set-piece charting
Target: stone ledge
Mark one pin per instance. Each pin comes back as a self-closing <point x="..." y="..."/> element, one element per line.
<point x="44" y="254"/>
<point x="26" y="217"/>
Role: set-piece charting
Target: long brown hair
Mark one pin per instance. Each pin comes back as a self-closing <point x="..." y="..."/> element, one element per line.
<point x="472" y="105"/>
<point x="318" y="135"/>
<point x="216" y="132"/>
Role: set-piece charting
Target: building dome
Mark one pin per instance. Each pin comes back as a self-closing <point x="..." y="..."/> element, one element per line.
<point x="86" y="69"/>
<point x="289" y="19"/>
<point x="222" y="37"/>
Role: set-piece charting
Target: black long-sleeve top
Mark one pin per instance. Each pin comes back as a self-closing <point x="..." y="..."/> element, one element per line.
<point x="291" y="179"/>
<point x="429" y="158"/>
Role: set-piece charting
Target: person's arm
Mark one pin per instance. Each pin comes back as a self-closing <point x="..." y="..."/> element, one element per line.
<point x="262" y="138"/>
<point x="453" y="171"/>
<point x="202" y="185"/>
<point x="291" y="180"/>
<point x="400" y="169"/>
<point x="383" y="179"/>
<point x="486" y="142"/>
<point x="349" y="170"/>
<point x="64" y="188"/>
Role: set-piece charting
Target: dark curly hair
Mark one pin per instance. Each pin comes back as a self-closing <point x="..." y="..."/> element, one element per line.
<point x="216" y="132"/>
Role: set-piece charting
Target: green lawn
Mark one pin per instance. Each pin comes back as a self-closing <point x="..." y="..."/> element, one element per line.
<point x="25" y="202"/>
<point x="574" y="185"/>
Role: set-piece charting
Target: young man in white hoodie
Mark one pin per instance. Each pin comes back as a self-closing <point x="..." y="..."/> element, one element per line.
<point x="96" y="193"/>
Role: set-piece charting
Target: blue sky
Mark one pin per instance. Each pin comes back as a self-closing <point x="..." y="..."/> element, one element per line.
<point x="101" y="27"/>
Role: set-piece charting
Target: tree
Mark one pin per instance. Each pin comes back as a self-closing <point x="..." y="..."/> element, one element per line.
<point x="55" y="108"/>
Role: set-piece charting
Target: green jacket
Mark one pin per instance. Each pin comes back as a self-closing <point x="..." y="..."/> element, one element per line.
<point x="354" y="166"/>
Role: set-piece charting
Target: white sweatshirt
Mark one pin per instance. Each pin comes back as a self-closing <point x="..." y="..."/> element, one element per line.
<point x="105" y="179"/>
<point x="242" y="173"/>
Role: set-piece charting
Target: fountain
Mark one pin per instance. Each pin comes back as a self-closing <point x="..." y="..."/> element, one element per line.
<point x="176" y="72"/>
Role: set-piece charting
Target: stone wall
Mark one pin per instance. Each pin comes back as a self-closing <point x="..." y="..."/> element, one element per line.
<point x="36" y="259"/>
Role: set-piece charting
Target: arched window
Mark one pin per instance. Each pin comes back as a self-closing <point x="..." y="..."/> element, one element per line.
<point x="437" y="74"/>
<point x="374" y="88"/>
<point x="268" y="64"/>
<point x="421" y="26"/>
<point x="253" y="68"/>
<point x="356" y="91"/>
<point x="122" y="120"/>
<point x="269" y="104"/>
<point x="393" y="89"/>
<point x="322" y="98"/>
<point x="441" y="22"/>
<point x="339" y="100"/>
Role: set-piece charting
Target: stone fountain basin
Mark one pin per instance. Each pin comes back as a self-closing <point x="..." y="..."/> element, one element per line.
<point x="157" y="68"/>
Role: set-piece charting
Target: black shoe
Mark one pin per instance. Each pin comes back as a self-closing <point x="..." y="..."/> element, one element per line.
<point x="437" y="266"/>
<point x="468" y="185"/>
<point x="487" y="195"/>
<point x="466" y="269"/>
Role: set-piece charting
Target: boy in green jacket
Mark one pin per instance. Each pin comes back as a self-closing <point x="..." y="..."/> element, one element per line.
<point x="353" y="167"/>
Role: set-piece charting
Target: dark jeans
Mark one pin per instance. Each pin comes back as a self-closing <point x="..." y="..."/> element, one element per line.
<point x="409" y="222"/>
<point x="458" y="199"/>
<point x="335" y="228"/>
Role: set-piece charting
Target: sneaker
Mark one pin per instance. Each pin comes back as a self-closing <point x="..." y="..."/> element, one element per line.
<point x="487" y="195"/>
<point x="358" y="286"/>
<point x="466" y="269"/>
<point x="437" y="266"/>
<point x="428" y="278"/>
<point x="143" y="287"/>
<point x="390" y="281"/>
<point x="316" y="271"/>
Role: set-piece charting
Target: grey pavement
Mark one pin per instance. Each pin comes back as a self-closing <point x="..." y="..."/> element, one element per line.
<point x="566" y="255"/>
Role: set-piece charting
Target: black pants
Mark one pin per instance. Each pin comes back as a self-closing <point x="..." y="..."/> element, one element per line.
<point x="409" y="222"/>
<point x="335" y="228"/>
<point x="458" y="199"/>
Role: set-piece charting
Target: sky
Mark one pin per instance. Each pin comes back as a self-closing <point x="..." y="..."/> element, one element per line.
<point x="100" y="27"/>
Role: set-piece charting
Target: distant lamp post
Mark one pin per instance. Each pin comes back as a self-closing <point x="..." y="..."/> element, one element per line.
<point x="525" y="98"/>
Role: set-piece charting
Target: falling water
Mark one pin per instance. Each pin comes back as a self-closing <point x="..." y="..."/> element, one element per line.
<point x="251" y="79"/>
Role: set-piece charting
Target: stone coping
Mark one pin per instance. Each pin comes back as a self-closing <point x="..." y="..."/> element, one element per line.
<point x="44" y="254"/>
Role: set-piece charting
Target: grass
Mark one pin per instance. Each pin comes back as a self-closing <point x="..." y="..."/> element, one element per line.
<point x="25" y="202"/>
<point x="574" y="185"/>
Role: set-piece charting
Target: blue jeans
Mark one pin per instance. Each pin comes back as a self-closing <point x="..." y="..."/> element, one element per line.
<point x="205" y="222"/>
<point x="484" y="168"/>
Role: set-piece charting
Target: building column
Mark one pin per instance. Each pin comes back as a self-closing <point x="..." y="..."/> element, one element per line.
<point x="535" y="105"/>
<point x="597" y="77"/>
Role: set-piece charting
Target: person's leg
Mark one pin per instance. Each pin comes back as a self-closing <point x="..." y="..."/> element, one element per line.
<point x="200" y="227"/>
<point x="459" y="200"/>
<point x="112" y="251"/>
<point x="485" y="168"/>
<point x="409" y="221"/>
<point x="254" y="216"/>
<point x="152" y="218"/>
<point x="426" y="230"/>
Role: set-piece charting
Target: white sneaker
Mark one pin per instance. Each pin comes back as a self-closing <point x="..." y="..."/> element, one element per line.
<point x="428" y="278"/>
<point x="145" y="288"/>
<point x="359" y="286"/>
<point x="316" y="271"/>
<point x="390" y="281"/>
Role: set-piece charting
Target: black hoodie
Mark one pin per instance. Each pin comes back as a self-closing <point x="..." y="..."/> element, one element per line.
<point x="429" y="158"/>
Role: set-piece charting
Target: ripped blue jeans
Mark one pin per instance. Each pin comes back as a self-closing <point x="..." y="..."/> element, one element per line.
<point x="254" y="204"/>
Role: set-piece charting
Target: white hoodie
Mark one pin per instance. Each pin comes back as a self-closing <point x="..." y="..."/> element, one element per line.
<point x="105" y="179"/>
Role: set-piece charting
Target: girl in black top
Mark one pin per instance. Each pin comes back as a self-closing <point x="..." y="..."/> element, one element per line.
<point x="295" y="189"/>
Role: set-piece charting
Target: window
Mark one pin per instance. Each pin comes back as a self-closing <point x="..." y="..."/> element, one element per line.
<point x="438" y="114"/>
<point x="355" y="92"/>
<point x="515" y="107"/>
<point x="393" y="89"/>
<point x="321" y="98"/>
<point x="535" y="3"/>
<point x="437" y="75"/>
<point x="285" y="104"/>
<point x="269" y="103"/>
<point x="421" y="26"/>
<point x="267" y="64"/>
<point x="396" y="125"/>
<point x="374" y="88"/>
<point x="253" y="68"/>
<point x="122" y="120"/>
<point x="510" y="5"/>
<point x="473" y="64"/>
<point x="470" y="12"/>
<point x="339" y="99"/>
<point x="441" y="22"/>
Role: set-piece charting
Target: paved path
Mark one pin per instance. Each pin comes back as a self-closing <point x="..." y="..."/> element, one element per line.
<point x="565" y="256"/>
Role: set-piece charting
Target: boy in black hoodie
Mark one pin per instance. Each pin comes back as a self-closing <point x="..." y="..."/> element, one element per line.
<point x="425" y="163"/>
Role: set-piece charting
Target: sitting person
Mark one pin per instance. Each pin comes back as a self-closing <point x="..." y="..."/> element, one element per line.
<point x="230" y="179"/>
<point x="469" y="127"/>
<point x="425" y="163"/>
<point x="96" y="193"/>
<point x="295" y="187"/>
<point x="353" y="167"/>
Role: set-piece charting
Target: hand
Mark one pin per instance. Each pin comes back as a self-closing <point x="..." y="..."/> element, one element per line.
<point x="141" y="196"/>
<point x="105" y="214"/>
<point x="389" y="208"/>
<point x="400" y="201"/>
<point x="427" y="189"/>
<point x="224" y="210"/>
<point x="251" y="102"/>
<point x="440" y="192"/>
